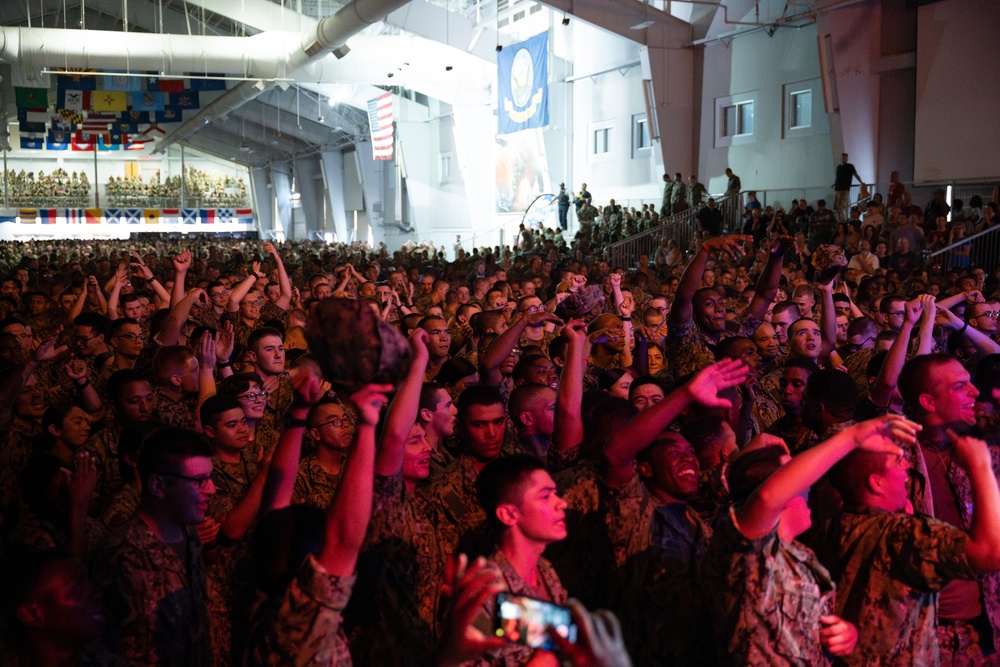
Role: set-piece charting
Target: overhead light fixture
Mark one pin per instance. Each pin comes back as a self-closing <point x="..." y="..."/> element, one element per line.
<point x="448" y="68"/>
<point x="565" y="20"/>
<point x="499" y="48"/>
<point x="390" y="75"/>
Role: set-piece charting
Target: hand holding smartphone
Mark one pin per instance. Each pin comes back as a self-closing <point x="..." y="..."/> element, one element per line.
<point x="525" y="620"/>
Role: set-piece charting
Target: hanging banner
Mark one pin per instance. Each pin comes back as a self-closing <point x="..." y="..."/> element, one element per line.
<point x="523" y="85"/>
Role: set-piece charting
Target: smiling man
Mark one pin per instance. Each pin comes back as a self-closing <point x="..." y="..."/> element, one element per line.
<point x="651" y="473"/>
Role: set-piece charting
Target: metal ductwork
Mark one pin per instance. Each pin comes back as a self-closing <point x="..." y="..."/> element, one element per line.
<point x="261" y="56"/>
<point x="328" y="35"/>
<point x="269" y="55"/>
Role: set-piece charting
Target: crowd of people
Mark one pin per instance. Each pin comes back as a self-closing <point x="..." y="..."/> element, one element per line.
<point x="201" y="188"/>
<point x="759" y="452"/>
<point x="59" y="188"/>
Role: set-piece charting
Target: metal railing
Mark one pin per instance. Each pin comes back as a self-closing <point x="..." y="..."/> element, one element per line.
<point x="681" y="228"/>
<point x="979" y="250"/>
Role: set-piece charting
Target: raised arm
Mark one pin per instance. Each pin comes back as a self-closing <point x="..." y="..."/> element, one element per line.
<point x="827" y="318"/>
<point x="284" y="466"/>
<point x="241" y="290"/>
<point x="87" y="396"/>
<point x="952" y="322"/>
<point x="500" y="349"/>
<point x="121" y="277"/>
<point x="351" y="507"/>
<point x="770" y="277"/>
<point x="205" y="353"/>
<point x="983" y="546"/>
<point x="888" y="377"/>
<point x="403" y="410"/>
<point x="682" y="309"/>
<point x="567" y="431"/>
<point x="625" y="445"/>
<point x="147" y="275"/>
<point x="285" y="300"/>
<point x="182" y="262"/>
<point x="760" y="513"/>
<point x="925" y="338"/>
<point x="170" y="332"/>
<point x="78" y="305"/>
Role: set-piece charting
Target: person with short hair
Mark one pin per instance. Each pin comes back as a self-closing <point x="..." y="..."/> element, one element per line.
<point x="151" y="569"/>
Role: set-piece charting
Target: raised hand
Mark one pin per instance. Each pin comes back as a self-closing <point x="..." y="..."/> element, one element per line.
<point x="83" y="481"/>
<point x="968" y="450"/>
<point x="468" y="586"/>
<point x="600" y="642"/>
<point x="205" y="351"/>
<point x="762" y="440"/>
<point x="48" y="350"/>
<point x="225" y="341"/>
<point x="709" y="382"/>
<point x="255" y="268"/>
<point x="76" y="369"/>
<point x="912" y="310"/>
<point x="881" y="434"/>
<point x="182" y="261"/>
<point x="418" y="344"/>
<point x="733" y="244"/>
<point x="208" y="530"/>
<point x="270" y="249"/>
<point x="369" y="401"/>
<point x="307" y="387"/>
<point x="929" y="306"/>
<point x="616" y="279"/>
<point x="626" y="307"/>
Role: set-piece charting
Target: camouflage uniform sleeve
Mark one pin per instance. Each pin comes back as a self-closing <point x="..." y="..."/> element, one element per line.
<point x="272" y="311"/>
<point x="307" y="628"/>
<point x="927" y="553"/>
<point x="629" y="517"/>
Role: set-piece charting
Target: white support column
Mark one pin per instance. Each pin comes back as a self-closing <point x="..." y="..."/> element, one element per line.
<point x="670" y="70"/>
<point x="281" y="188"/>
<point x="263" y="204"/>
<point x="309" y="175"/>
<point x="333" y="179"/>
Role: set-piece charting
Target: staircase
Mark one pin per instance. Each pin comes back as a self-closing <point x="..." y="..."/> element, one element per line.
<point x="680" y="227"/>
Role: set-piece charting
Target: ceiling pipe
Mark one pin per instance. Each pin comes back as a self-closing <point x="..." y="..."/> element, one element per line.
<point x="328" y="36"/>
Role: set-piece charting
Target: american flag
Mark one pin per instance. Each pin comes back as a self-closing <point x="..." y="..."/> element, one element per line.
<point x="380" y="121"/>
<point x="98" y="122"/>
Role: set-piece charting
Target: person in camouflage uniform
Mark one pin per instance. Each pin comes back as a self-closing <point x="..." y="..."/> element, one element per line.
<point x="332" y="429"/>
<point x="697" y="320"/>
<point x="152" y="570"/>
<point x="526" y="515"/>
<point x="771" y="600"/>
<point x="266" y="351"/>
<point x="177" y="378"/>
<point x="890" y="565"/>
<point x="966" y="607"/>
<point x="657" y="538"/>
<point x="482" y="423"/>
<point x="299" y="621"/>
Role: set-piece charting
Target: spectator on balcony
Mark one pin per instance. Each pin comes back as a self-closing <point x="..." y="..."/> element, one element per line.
<point x="678" y="195"/>
<point x="668" y="194"/>
<point x="696" y="191"/>
<point x="710" y="219"/>
<point x="846" y="173"/>
<point x="733" y="185"/>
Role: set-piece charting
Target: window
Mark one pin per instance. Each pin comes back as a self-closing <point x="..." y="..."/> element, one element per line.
<point x="799" y="109"/>
<point x="602" y="141"/>
<point x="535" y="9"/>
<point x="444" y="167"/>
<point x="737" y="119"/>
<point x="642" y="142"/>
<point x="519" y="15"/>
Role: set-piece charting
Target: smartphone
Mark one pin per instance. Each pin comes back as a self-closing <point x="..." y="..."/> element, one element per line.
<point x="526" y="620"/>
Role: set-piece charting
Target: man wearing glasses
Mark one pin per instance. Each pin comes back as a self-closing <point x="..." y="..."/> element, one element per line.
<point x="331" y="426"/>
<point x="983" y="316"/>
<point x="539" y="334"/>
<point x="218" y="297"/>
<point x="127" y="341"/>
<point x="152" y="570"/>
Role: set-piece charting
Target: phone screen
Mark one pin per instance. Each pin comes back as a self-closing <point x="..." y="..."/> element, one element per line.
<point x="526" y="620"/>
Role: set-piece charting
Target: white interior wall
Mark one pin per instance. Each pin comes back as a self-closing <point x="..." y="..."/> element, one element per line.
<point x="958" y="100"/>
<point x="610" y="100"/>
<point x="763" y="67"/>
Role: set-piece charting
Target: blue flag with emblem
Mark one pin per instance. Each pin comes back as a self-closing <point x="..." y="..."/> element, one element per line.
<point x="523" y="85"/>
